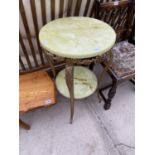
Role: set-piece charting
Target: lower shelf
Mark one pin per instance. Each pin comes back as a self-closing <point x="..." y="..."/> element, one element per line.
<point x="85" y="83"/>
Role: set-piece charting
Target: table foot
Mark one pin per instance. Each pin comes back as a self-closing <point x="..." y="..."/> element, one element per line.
<point x="71" y="121"/>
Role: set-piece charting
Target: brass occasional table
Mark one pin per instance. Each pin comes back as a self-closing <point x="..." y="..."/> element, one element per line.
<point x="78" y="41"/>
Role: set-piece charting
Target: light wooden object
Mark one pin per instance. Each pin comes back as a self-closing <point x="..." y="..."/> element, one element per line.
<point x="35" y="90"/>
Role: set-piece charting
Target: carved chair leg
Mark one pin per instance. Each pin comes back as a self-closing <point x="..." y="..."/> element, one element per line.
<point x="91" y="66"/>
<point x="24" y="125"/>
<point x="132" y="81"/>
<point x="101" y="91"/>
<point x="69" y="71"/>
<point x="111" y="94"/>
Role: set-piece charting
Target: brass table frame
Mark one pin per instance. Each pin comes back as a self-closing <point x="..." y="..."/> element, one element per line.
<point x="69" y="69"/>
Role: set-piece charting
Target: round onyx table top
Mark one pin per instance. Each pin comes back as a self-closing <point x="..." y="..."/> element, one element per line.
<point x="77" y="37"/>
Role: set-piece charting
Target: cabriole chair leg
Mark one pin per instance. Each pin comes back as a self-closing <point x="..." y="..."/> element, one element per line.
<point x="111" y="94"/>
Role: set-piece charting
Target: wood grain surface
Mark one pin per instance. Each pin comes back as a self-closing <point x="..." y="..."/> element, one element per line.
<point x="36" y="90"/>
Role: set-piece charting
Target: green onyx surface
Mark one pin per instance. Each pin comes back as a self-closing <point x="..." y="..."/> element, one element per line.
<point x="85" y="83"/>
<point x="77" y="37"/>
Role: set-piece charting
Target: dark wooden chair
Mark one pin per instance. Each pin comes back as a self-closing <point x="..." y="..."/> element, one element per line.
<point x="120" y="15"/>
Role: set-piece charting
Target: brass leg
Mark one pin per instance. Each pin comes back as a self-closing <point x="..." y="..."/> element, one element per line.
<point x="70" y="84"/>
<point x="24" y="125"/>
<point x="51" y="63"/>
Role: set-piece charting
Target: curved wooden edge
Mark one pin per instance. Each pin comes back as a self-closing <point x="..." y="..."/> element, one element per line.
<point x="39" y="107"/>
<point x="24" y="125"/>
<point x="116" y="4"/>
